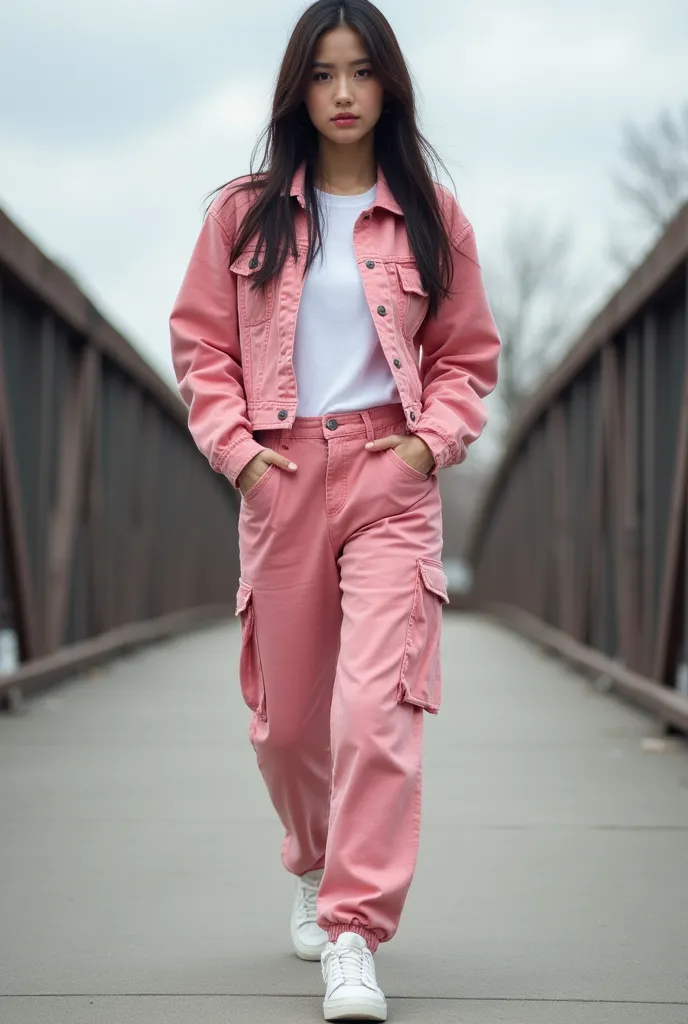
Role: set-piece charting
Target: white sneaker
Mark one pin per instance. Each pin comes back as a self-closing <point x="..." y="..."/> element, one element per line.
<point x="352" y="992"/>
<point x="309" y="940"/>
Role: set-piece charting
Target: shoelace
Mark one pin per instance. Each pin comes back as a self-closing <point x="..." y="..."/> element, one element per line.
<point x="350" y="967"/>
<point x="308" y="903"/>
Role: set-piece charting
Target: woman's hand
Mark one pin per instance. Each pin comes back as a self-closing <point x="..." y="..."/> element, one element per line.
<point x="411" y="449"/>
<point x="258" y="466"/>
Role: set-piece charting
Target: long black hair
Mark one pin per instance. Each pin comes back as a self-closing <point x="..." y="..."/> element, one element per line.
<point x="407" y="159"/>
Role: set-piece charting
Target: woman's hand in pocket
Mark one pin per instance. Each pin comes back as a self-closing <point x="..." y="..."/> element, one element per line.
<point x="411" y="449"/>
<point x="259" y="465"/>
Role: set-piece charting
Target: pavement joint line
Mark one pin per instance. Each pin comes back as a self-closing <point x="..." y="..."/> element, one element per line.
<point x="292" y="995"/>
<point x="464" y="827"/>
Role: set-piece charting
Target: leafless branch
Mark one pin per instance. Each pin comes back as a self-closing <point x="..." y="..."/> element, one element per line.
<point x="535" y="299"/>
<point x="653" y="179"/>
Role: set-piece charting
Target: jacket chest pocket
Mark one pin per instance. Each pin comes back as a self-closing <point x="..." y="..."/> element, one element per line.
<point x="413" y="300"/>
<point x="255" y="304"/>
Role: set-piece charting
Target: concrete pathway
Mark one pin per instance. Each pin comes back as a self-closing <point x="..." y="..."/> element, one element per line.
<point x="139" y="857"/>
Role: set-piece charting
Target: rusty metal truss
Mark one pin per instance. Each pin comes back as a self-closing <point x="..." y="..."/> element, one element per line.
<point x="109" y="516"/>
<point x="582" y="535"/>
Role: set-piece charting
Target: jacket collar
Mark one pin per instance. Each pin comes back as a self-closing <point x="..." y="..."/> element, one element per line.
<point x="383" y="196"/>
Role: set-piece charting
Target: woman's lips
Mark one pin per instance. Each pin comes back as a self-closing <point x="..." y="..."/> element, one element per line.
<point x="345" y="119"/>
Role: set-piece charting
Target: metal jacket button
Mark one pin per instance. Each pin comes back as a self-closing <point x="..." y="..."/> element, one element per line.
<point x="253" y="263"/>
<point x="282" y="414"/>
<point x="397" y="363"/>
<point x="370" y="264"/>
<point x="331" y="424"/>
<point x="382" y="311"/>
<point x="412" y="417"/>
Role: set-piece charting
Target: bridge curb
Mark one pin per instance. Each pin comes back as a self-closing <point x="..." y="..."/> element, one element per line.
<point x="670" y="707"/>
<point x="70" y="661"/>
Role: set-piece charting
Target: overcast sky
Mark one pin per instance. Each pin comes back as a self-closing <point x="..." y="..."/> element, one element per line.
<point x="117" y="118"/>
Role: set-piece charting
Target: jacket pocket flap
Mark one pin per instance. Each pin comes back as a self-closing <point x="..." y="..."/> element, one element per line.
<point x="243" y="599"/>
<point x="434" y="579"/>
<point x="410" y="279"/>
<point x="246" y="265"/>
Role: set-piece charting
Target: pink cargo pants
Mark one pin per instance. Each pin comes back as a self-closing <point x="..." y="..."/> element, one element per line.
<point x="340" y="602"/>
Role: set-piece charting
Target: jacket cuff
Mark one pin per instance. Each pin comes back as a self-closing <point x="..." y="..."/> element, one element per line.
<point x="445" y="450"/>
<point x="235" y="458"/>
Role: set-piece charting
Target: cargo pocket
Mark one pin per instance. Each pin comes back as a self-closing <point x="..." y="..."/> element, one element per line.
<point x="250" y="670"/>
<point x="421" y="676"/>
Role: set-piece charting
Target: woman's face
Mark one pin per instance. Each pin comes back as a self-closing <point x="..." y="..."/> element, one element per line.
<point x="344" y="98"/>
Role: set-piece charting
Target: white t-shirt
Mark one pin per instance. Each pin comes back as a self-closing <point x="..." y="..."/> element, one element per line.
<point x="338" y="360"/>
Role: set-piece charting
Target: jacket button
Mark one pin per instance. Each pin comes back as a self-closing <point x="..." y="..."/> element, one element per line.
<point x="282" y="414"/>
<point x="412" y="417"/>
<point x="370" y="264"/>
<point x="382" y="311"/>
<point x="397" y="363"/>
<point x="331" y="424"/>
<point x="253" y="263"/>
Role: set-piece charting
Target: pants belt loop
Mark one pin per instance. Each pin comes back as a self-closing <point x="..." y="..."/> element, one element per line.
<point x="370" y="432"/>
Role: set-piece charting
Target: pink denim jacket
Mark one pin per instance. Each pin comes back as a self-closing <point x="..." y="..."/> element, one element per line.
<point x="232" y="344"/>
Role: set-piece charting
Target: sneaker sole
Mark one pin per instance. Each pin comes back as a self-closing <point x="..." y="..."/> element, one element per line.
<point x="309" y="953"/>
<point x="349" y="1009"/>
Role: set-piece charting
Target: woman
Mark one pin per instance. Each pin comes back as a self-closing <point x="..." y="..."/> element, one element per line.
<point x="314" y="287"/>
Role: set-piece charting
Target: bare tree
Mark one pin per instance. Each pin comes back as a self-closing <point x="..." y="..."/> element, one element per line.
<point x="536" y="300"/>
<point x="652" y="181"/>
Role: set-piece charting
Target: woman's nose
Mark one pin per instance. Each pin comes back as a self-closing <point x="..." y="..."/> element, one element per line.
<point x="344" y="90"/>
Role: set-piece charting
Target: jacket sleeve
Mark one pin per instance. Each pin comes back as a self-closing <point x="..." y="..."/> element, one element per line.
<point x="206" y="354"/>
<point x="459" y="355"/>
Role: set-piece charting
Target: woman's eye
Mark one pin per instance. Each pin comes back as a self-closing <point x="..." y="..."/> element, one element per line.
<point x="324" y="76"/>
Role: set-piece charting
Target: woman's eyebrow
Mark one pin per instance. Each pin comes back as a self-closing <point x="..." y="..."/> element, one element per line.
<point x="352" y="63"/>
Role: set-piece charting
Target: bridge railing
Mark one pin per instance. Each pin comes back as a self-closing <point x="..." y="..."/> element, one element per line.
<point x="113" y="529"/>
<point x="582" y="534"/>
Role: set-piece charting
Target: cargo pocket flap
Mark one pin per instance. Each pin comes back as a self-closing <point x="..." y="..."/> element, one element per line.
<point x="434" y="579"/>
<point x="410" y="279"/>
<point x="420" y="682"/>
<point x="250" y="668"/>
<point x="243" y="597"/>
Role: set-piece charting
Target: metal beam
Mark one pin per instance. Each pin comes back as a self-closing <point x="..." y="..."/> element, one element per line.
<point x="12" y="514"/>
<point x="668" y="620"/>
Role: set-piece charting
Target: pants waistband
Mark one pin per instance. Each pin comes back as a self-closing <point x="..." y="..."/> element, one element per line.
<point x="369" y="423"/>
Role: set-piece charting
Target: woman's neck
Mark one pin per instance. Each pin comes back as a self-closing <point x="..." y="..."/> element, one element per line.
<point x="346" y="170"/>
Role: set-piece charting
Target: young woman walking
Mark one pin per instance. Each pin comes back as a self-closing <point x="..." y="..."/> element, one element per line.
<point x="333" y="342"/>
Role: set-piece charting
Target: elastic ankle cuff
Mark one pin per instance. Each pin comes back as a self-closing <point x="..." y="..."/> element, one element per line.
<point x="335" y="930"/>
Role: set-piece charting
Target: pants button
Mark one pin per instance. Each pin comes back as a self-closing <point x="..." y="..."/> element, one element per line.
<point x="331" y="424"/>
